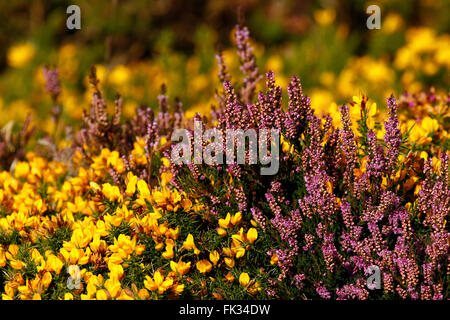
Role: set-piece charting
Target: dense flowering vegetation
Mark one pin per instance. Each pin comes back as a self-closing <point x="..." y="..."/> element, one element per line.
<point x="103" y="212"/>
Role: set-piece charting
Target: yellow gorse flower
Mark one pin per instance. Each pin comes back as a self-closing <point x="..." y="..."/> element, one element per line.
<point x="180" y="267"/>
<point x="252" y="235"/>
<point x="20" y="55"/>
<point x="214" y="257"/>
<point x="203" y="266"/>
<point x="158" y="283"/>
<point x="131" y="185"/>
<point x="244" y="279"/>
<point x="189" y="244"/>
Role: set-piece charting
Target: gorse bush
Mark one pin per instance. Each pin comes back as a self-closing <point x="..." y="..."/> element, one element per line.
<point x="356" y="189"/>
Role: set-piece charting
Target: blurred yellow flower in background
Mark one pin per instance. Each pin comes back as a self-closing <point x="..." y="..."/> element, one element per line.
<point x="325" y="17"/>
<point x="119" y="75"/>
<point x="321" y="100"/>
<point x="21" y="54"/>
<point x="393" y="22"/>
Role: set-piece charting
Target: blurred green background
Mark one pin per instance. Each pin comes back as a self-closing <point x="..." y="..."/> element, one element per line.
<point x="138" y="45"/>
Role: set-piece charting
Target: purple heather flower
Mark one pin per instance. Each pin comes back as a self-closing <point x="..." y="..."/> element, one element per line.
<point x="348" y="145"/>
<point x="248" y="63"/>
<point x="52" y="84"/>
<point x="376" y="165"/>
<point x="323" y="292"/>
<point x="393" y="136"/>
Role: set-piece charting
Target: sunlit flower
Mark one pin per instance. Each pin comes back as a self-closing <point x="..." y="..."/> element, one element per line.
<point x="214" y="257"/>
<point x="158" y="283"/>
<point x="244" y="279"/>
<point x="21" y="54"/>
<point x="203" y="266"/>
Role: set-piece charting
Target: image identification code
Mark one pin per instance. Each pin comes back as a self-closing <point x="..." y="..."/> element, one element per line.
<point x="226" y="309"/>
